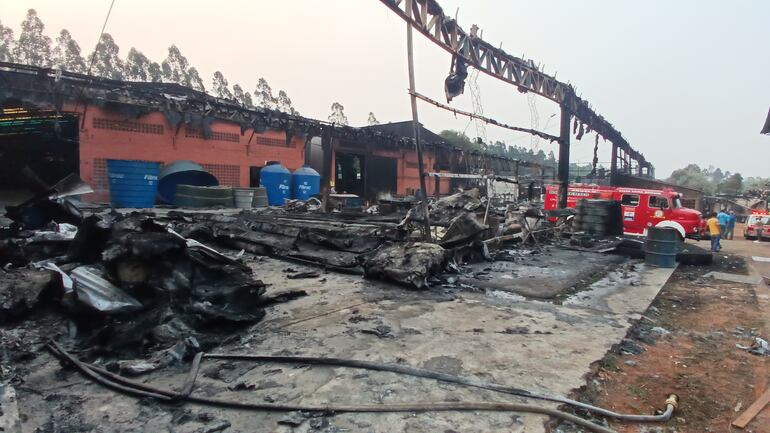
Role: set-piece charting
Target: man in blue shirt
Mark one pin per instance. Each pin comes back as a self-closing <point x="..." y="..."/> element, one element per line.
<point x="730" y="229"/>
<point x="723" y="219"/>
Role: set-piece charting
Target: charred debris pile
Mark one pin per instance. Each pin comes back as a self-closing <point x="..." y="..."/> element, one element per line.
<point x="162" y="286"/>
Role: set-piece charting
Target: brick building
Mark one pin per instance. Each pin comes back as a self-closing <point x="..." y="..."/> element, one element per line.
<point x="57" y="123"/>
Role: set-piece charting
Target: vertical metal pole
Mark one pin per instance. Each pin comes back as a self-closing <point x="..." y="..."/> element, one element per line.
<point x="564" y="136"/>
<point x="614" y="164"/>
<point x="327" y="146"/>
<point x="415" y="121"/>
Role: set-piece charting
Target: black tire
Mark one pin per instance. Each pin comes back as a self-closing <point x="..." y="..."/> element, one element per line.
<point x="205" y="191"/>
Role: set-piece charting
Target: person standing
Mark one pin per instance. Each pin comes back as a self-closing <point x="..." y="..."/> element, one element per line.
<point x="723" y="218"/>
<point x="713" y="227"/>
<point x="760" y="228"/>
<point x="730" y="229"/>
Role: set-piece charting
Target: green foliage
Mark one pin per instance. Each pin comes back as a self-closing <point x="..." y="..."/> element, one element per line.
<point x="498" y="148"/>
<point x="731" y="185"/>
<point x="694" y="177"/>
<point x="138" y="67"/>
<point x="220" y="86"/>
<point x="66" y="54"/>
<point x="33" y="47"/>
<point x="715" y="181"/>
<point x="243" y="98"/>
<point x="337" y="115"/>
<point x="105" y="60"/>
<point x="756" y="184"/>
<point x="6" y="44"/>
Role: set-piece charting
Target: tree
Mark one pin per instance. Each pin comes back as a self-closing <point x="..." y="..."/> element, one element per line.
<point x="756" y="184"/>
<point x="33" y="47"/>
<point x="220" y="86"/>
<point x="551" y="158"/>
<point x="243" y="98"/>
<point x="105" y="60"/>
<point x="372" y="120"/>
<point x="694" y="177"/>
<point x="194" y="80"/>
<point x="337" y="115"/>
<point x="175" y="66"/>
<point x="6" y="44"/>
<point x="716" y="174"/>
<point x="66" y="54"/>
<point x="263" y="95"/>
<point x="139" y="68"/>
<point x="155" y="72"/>
<point x="284" y="103"/>
<point x="732" y="185"/>
<point x="459" y="139"/>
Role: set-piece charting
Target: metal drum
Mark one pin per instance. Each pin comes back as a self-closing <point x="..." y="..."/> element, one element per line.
<point x="661" y="247"/>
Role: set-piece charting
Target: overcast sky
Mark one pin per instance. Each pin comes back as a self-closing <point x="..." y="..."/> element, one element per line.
<point x="685" y="81"/>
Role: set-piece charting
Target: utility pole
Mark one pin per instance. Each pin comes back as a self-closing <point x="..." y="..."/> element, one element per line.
<point x="416" y="124"/>
<point x="564" y="136"/>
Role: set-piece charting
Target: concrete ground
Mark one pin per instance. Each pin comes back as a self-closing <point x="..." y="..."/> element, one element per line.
<point x="488" y="334"/>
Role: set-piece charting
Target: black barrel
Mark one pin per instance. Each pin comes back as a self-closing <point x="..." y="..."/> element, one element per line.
<point x="661" y="247"/>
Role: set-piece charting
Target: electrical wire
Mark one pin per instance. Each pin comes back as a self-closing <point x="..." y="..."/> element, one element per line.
<point x="93" y="55"/>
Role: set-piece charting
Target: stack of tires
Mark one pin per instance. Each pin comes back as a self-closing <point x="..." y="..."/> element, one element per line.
<point x="203" y="196"/>
<point x="599" y="218"/>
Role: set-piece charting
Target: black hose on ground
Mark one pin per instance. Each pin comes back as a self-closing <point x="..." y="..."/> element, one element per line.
<point x="129" y="387"/>
<point x="671" y="402"/>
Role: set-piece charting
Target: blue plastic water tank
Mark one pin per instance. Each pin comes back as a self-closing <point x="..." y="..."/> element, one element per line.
<point x="276" y="179"/>
<point x="306" y="182"/>
<point x="133" y="184"/>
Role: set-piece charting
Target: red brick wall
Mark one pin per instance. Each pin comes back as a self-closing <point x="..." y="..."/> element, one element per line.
<point x="228" y="154"/>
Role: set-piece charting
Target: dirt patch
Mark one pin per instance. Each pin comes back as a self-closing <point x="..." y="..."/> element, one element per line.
<point x="689" y="336"/>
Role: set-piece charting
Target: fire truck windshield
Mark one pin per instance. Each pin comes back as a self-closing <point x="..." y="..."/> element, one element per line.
<point x="676" y="202"/>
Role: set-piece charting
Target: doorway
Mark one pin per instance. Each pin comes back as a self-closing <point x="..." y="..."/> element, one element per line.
<point x="44" y="141"/>
<point x="349" y="173"/>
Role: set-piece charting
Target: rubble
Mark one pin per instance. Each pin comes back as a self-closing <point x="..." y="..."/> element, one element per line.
<point x="21" y="291"/>
<point x="50" y="203"/>
<point x="410" y="263"/>
<point x="9" y="410"/>
<point x="95" y="292"/>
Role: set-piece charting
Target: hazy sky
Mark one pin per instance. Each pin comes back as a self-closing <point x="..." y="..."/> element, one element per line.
<point x="685" y="81"/>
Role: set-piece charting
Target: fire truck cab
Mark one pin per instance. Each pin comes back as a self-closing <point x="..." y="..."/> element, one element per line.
<point x="642" y="208"/>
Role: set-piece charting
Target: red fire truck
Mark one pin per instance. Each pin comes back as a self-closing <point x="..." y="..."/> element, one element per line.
<point x="642" y="208"/>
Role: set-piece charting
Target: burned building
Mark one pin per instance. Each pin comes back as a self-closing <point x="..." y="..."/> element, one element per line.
<point x="58" y="122"/>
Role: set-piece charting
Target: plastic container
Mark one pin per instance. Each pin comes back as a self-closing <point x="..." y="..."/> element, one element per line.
<point x="243" y="197"/>
<point x="133" y="184"/>
<point x="661" y="247"/>
<point x="276" y="180"/>
<point x="305" y="182"/>
<point x="182" y="173"/>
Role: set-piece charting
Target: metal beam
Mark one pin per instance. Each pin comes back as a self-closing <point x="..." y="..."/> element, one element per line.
<point x="428" y="18"/>
<point x="416" y="128"/>
<point x="564" y="138"/>
<point x="486" y="119"/>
